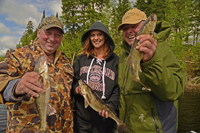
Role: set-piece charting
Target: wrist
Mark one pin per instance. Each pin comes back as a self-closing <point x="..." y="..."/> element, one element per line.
<point x="14" y="90"/>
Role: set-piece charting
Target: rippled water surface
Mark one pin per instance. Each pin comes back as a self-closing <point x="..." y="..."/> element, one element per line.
<point x="189" y="112"/>
<point x="3" y="118"/>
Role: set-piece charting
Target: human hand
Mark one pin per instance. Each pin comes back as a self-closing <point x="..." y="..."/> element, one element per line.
<point x="78" y="90"/>
<point x="29" y="84"/>
<point x="103" y="113"/>
<point x="147" y="44"/>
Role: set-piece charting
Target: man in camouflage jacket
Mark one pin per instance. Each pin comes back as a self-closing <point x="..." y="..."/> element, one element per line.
<point x="19" y="84"/>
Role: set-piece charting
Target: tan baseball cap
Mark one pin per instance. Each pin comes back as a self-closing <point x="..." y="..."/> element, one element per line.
<point x="132" y="16"/>
<point x="50" y="22"/>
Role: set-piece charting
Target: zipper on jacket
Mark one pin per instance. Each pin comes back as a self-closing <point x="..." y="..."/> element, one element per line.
<point x="154" y="120"/>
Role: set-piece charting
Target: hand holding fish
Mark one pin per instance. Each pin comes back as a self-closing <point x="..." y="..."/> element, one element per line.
<point x="147" y="44"/>
<point x="92" y="99"/>
<point x="103" y="113"/>
<point x="78" y="90"/>
<point x="29" y="84"/>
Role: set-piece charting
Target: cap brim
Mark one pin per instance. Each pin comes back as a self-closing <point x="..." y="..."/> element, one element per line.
<point x="45" y="27"/>
<point x="132" y="22"/>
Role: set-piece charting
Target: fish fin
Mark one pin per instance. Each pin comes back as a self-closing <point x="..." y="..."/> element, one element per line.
<point x="122" y="128"/>
<point x="129" y="59"/>
<point x="40" y="79"/>
<point x="86" y="103"/>
<point x="140" y="70"/>
<point x="43" y="131"/>
<point x="53" y="83"/>
<point x="50" y="110"/>
<point x="135" y="79"/>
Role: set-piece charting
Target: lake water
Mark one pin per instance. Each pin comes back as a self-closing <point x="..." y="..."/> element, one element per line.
<point x="3" y="117"/>
<point x="189" y="113"/>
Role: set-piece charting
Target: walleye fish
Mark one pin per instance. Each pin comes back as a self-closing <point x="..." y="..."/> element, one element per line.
<point x="135" y="56"/>
<point x="42" y="102"/>
<point x="92" y="99"/>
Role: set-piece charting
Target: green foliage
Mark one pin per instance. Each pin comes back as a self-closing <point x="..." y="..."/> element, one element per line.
<point x="198" y="67"/>
<point x="153" y="6"/>
<point x="27" y="35"/>
<point x="112" y="19"/>
<point x="79" y="15"/>
<point x="71" y="45"/>
<point x="2" y="57"/>
<point x="43" y="16"/>
<point x="188" y="56"/>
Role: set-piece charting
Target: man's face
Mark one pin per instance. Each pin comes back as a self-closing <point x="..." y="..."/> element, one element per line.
<point x="130" y="31"/>
<point x="50" y="39"/>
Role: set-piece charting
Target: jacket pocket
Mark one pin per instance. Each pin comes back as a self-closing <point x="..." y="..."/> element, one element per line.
<point x="154" y="120"/>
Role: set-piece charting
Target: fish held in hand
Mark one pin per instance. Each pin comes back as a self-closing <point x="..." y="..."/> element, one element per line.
<point x="95" y="102"/>
<point x="42" y="102"/>
<point x="135" y="56"/>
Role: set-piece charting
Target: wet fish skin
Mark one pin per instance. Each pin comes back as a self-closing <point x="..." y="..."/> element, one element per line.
<point x="135" y="56"/>
<point x="92" y="99"/>
<point x="42" y="102"/>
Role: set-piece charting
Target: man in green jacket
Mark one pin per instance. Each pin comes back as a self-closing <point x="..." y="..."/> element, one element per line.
<point x="145" y="111"/>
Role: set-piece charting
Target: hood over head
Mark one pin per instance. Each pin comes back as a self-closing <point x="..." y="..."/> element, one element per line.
<point x="101" y="27"/>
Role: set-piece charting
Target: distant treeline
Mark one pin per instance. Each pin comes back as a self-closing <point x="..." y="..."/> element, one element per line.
<point x="78" y="15"/>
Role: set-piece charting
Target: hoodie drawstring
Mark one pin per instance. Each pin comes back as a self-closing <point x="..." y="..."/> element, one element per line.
<point x="103" y="75"/>
<point x="103" y="96"/>
<point x="89" y="69"/>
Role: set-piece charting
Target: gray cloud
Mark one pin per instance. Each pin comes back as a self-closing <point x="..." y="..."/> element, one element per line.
<point x="4" y="29"/>
<point x="20" y="13"/>
<point x="9" y="41"/>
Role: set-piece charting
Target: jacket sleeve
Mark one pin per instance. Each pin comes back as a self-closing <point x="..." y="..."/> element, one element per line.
<point x="164" y="74"/>
<point x="8" y="72"/>
<point x="114" y="99"/>
<point x="76" y="67"/>
<point x="8" y="94"/>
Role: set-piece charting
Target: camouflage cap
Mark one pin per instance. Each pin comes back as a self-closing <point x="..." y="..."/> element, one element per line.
<point x="132" y="16"/>
<point x="50" y="22"/>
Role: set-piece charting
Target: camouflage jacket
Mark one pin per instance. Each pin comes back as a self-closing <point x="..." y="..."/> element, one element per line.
<point x="22" y="116"/>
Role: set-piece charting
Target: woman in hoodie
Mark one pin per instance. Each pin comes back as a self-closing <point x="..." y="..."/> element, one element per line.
<point x="97" y="65"/>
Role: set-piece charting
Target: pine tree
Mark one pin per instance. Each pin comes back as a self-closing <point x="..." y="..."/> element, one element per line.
<point x="78" y="16"/>
<point x="26" y="37"/>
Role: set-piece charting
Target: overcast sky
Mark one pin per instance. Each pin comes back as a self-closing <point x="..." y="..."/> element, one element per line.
<point x="15" y="14"/>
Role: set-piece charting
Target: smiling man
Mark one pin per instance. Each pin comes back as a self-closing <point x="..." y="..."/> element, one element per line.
<point x="20" y="85"/>
<point x="145" y="111"/>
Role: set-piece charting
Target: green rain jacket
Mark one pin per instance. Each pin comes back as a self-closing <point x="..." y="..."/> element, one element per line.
<point x="154" y="111"/>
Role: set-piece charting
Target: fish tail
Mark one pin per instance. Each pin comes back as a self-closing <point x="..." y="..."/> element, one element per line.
<point x="122" y="128"/>
<point x="43" y="131"/>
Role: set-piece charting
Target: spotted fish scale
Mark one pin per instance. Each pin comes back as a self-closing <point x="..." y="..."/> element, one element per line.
<point x="135" y="56"/>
